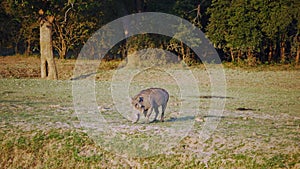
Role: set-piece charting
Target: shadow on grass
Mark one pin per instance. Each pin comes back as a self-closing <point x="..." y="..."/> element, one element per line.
<point x="186" y="118"/>
<point x="215" y="97"/>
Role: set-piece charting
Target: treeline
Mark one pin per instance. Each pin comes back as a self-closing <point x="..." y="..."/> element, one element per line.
<point x="250" y="31"/>
<point x="256" y="30"/>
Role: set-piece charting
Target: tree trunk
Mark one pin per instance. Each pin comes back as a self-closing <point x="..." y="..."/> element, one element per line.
<point x="17" y="41"/>
<point x="239" y="56"/>
<point x="182" y="51"/>
<point x="270" y="56"/>
<point x="250" y="58"/>
<point x="28" y="47"/>
<point x="232" y="55"/>
<point x="298" y="55"/>
<point x="48" y="68"/>
<point x="63" y="51"/>
<point x="282" y="52"/>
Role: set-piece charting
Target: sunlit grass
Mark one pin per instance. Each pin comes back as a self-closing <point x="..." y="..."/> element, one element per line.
<point x="38" y="128"/>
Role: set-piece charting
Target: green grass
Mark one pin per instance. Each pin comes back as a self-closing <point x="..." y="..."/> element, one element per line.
<point x="38" y="127"/>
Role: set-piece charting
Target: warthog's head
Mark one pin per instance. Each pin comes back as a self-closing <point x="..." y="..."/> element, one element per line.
<point x="137" y="104"/>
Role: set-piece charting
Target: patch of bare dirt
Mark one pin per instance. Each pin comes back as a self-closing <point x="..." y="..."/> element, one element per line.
<point x="29" y="67"/>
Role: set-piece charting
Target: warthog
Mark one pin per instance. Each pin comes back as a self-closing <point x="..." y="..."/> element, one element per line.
<point x="150" y="99"/>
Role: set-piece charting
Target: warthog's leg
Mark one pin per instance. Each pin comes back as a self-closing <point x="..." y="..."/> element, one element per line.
<point x="145" y="112"/>
<point x="149" y="114"/>
<point x="163" y="108"/>
<point x="138" y="118"/>
<point x="156" y="114"/>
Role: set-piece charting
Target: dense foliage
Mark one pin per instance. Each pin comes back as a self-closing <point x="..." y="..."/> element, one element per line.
<point x="252" y="31"/>
<point x="256" y="30"/>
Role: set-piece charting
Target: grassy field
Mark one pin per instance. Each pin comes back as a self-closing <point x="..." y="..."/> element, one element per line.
<point x="259" y="127"/>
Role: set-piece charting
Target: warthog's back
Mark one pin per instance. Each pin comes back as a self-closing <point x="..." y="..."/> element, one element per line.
<point x="157" y="96"/>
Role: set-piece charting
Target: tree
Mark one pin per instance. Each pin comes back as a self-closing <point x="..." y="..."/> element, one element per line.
<point x="244" y="35"/>
<point x="74" y="23"/>
<point x="276" y="20"/>
<point x="295" y="45"/>
<point x="218" y="27"/>
<point x="248" y="30"/>
<point x="48" y="67"/>
<point x="183" y="51"/>
<point x="133" y="43"/>
<point x="191" y="11"/>
<point x="251" y="28"/>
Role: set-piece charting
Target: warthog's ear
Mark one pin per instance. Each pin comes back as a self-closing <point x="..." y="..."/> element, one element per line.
<point x="141" y="99"/>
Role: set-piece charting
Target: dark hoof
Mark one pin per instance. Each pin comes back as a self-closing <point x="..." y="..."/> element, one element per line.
<point x="154" y="121"/>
